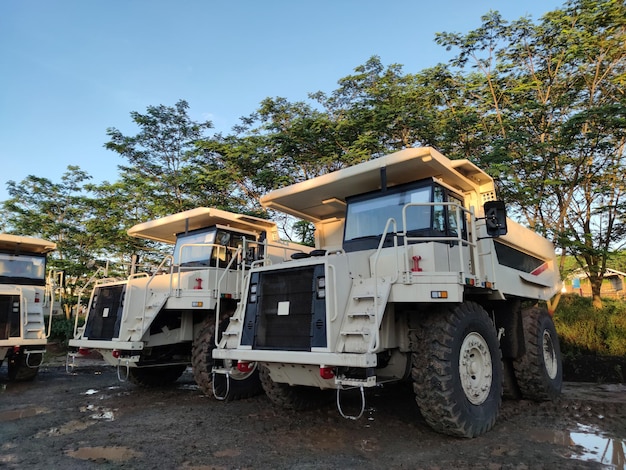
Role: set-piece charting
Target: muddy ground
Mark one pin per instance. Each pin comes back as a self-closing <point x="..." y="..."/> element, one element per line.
<point x="89" y="419"/>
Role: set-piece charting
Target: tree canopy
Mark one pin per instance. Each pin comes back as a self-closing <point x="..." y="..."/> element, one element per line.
<point x="541" y="105"/>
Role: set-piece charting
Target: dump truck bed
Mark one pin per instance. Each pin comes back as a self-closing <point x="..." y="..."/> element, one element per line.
<point x="324" y="197"/>
<point x="25" y="244"/>
<point x="166" y="228"/>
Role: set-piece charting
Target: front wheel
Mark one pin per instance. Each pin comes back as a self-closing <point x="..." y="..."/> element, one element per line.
<point x="539" y="371"/>
<point x="294" y="397"/>
<point x="158" y="376"/>
<point x="237" y="385"/>
<point x="457" y="371"/>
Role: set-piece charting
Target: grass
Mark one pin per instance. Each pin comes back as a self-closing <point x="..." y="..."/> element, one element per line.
<point x="585" y="331"/>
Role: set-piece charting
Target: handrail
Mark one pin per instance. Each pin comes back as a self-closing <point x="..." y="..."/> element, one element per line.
<point x="49" y="330"/>
<point x="375" y="341"/>
<point x="218" y="284"/>
<point x="80" y="294"/>
<point x="145" y="296"/>
<point x="470" y="243"/>
<point x="458" y="239"/>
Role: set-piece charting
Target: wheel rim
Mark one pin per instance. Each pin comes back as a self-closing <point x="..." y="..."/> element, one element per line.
<point x="475" y="368"/>
<point x="549" y="355"/>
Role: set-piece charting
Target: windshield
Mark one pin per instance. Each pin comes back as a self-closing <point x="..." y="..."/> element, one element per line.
<point x="22" y="269"/>
<point x="194" y="249"/>
<point x="210" y="247"/>
<point x="368" y="217"/>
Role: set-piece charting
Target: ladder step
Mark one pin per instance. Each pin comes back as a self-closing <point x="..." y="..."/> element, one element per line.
<point x="353" y="382"/>
<point x="364" y="296"/>
<point x="361" y="314"/>
<point x="355" y="333"/>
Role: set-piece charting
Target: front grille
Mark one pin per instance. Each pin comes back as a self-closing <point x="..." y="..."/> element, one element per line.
<point x="105" y="315"/>
<point x="287" y="313"/>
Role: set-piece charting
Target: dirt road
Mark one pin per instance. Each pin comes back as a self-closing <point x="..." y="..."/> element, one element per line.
<point x="90" y="420"/>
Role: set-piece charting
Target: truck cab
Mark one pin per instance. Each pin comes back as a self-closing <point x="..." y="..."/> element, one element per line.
<point x="25" y="299"/>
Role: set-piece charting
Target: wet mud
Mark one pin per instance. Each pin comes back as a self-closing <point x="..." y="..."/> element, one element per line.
<point x="87" y="419"/>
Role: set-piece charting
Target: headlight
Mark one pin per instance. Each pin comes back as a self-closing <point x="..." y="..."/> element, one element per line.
<point x="252" y="296"/>
<point x="321" y="287"/>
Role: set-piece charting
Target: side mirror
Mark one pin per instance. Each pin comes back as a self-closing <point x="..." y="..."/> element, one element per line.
<point x="495" y="218"/>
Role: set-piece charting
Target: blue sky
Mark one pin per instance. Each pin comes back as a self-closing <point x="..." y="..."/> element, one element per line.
<point x="70" y="69"/>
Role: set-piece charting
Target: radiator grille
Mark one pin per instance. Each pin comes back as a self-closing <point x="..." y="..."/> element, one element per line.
<point x="105" y="315"/>
<point x="287" y="313"/>
<point x="9" y="316"/>
<point x="294" y="288"/>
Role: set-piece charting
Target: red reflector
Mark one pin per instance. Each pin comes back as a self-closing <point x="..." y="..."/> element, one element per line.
<point x="16" y="349"/>
<point x="244" y="367"/>
<point x="115" y="353"/>
<point x="83" y="351"/>
<point x="326" y="373"/>
<point x="36" y="297"/>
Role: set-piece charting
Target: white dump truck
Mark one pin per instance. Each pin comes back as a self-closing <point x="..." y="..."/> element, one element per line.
<point x="417" y="275"/>
<point x="25" y="300"/>
<point x="151" y="326"/>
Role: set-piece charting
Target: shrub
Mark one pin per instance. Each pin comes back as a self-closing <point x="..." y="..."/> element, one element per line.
<point x="62" y="329"/>
<point x="584" y="330"/>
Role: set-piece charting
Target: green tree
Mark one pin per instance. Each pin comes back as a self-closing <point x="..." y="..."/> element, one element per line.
<point x="59" y="212"/>
<point x="553" y="96"/>
<point x="159" y="156"/>
<point x="53" y="211"/>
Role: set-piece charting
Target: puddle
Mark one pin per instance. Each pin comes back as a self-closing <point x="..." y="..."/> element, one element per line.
<point x="114" y="454"/>
<point x="590" y="442"/>
<point x="597" y="448"/>
<point x="98" y="412"/>
<point x="68" y="428"/>
<point x="8" y="458"/>
<point x="12" y="415"/>
<point x="193" y="387"/>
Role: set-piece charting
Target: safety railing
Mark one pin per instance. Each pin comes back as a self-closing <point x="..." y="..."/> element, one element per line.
<point x="469" y="241"/>
<point x="463" y="238"/>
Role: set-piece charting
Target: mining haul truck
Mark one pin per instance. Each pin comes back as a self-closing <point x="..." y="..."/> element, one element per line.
<point x="417" y="275"/>
<point x="153" y="326"/>
<point x="25" y="298"/>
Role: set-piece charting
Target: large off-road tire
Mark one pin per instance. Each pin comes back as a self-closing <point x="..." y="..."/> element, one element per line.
<point x="457" y="371"/>
<point x="539" y="372"/>
<point x="294" y="397"/>
<point x="158" y="376"/>
<point x="20" y="371"/>
<point x="237" y="385"/>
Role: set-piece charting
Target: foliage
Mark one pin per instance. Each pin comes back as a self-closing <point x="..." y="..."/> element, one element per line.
<point x="159" y="173"/>
<point x="62" y="329"/>
<point x="585" y="330"/>
<point x="552" y="97"/>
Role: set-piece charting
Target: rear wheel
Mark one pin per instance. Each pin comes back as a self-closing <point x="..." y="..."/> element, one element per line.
<point x="457" y="371"/>
<point x="19" y="369"/>
<point x="539" y="371"/>
<point x="158" y="376"/>
<point x="234" y="387"/>
<point x="294" y="397"/>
